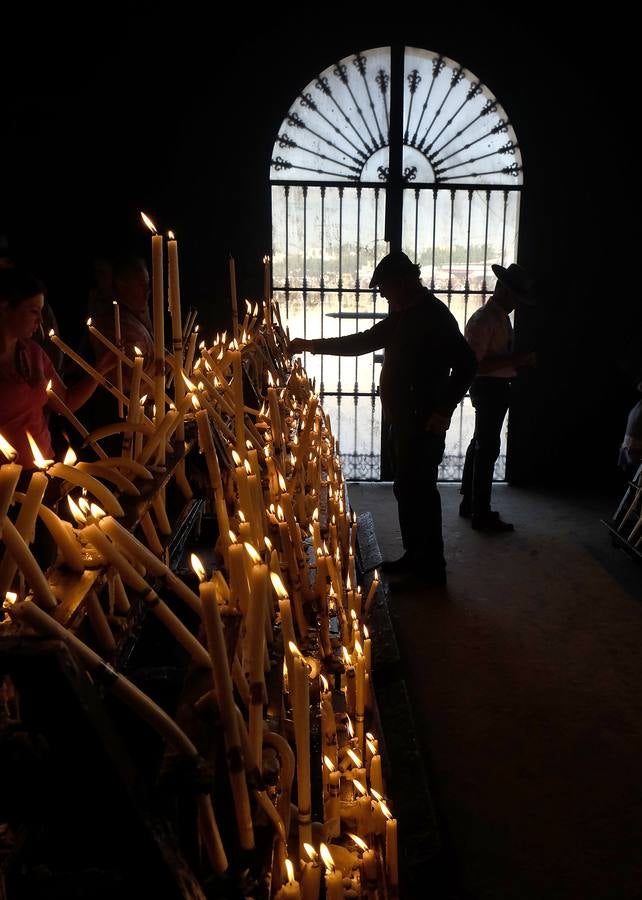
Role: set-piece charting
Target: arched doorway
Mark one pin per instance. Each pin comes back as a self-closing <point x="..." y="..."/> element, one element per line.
<point x="393" y="147"/>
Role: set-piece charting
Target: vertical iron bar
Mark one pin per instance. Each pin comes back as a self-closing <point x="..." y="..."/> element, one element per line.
<point x="435" y="194"/>
<point x="287" y="250"/>
<point x="450" y="250"/>
<point x="484" y="288"/>
<point x="322" y="284"/>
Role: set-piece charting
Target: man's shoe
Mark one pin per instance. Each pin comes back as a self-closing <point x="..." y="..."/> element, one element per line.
<point x="491" y="522"/>
<point x="401" y="566"/>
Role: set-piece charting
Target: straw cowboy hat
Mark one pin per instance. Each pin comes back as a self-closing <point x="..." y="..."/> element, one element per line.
<point x="518" y="281"/>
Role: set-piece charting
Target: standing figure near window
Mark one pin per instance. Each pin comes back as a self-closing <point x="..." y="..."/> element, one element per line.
<point x="490" y="334"/>
<point x="426" y="371"/>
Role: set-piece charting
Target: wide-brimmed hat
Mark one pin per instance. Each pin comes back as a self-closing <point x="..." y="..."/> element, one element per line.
<point x="518" y="281"/>
<point x="396" y="264"/>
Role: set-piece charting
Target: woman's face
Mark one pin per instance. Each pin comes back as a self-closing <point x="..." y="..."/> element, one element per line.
<point x="23" y="320"/>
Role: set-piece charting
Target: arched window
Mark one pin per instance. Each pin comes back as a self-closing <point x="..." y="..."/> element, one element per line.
<point x="389" y="148"/>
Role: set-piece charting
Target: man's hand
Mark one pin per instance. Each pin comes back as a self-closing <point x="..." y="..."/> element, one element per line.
<point x="299" y="345"/>
<point x="437" y="423"/>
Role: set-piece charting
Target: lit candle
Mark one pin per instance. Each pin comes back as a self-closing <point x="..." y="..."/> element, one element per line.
<point x="158" y="319"/>
<point x="9" y="475"/>
<point x="371" y="594"/>
<point x="227" y="707"/>
<point x="237" y="388"/>
<point x="25" y="525"/>
<point x="376" y="775"/>
<point x="255" y="632"/>
<point x="134" y="411"/>
<point x="392" y="866"/>
<point x="206" y="444"/>
<point x="239" y="586"/>
<point x="368" y="862"/>
<point x="302" y="740"/>
<point x="310" y="879"/>
<point x="266" y="286"/>
<point x="291" y="889"/>
<point x="333" y="876"/>
<point x="360" y="692"/>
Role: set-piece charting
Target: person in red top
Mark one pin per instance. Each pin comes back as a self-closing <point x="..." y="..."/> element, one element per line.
<point x="25" y="368"/>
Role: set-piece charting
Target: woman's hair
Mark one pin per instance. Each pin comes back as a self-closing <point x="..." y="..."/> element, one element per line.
<point x="17" y="285"/>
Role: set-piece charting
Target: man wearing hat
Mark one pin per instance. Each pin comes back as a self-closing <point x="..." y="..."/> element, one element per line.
<point x="427" y="369"/>
<point x="490" y="334"/>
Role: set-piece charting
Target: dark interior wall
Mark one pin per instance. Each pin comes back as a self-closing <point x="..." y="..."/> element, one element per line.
<point x="169" y="111"/>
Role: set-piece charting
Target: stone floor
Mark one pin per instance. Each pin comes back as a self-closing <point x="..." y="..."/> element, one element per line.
<point x="524" y="677"/>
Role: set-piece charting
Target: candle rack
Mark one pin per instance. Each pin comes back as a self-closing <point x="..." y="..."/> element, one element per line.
<point x="241" y="770"/>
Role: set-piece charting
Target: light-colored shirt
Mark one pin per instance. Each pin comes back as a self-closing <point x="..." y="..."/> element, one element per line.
<point x="23" y="397"/>
<point x="489" y="332"/>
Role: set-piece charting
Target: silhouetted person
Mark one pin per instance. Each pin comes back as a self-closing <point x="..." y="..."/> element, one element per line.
<point x="426" y="371"/>
<point x="490" y="334"/>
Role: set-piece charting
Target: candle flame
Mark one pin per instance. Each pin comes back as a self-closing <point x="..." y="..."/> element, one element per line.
<point x="89" y="321"/>
<point x="97" y="512"/>
<point x="6" y="449"/>
<point x="252" y="553"/>
<point x="188" y="384"/>
<point x="195" y="402"/>
<point x="289" y="868"/>
<point x="49" y="385"/>
<point x="232" y="536"/>
<point x="138" y="351"/>
<point x="85" y="505"/>
<point x="366" y="633"/>
<point x="170" y="236"/>
<point x="346" y="655"/>
<point x="198" y="567"/>
<point x="278" y="586"/>
<point x="268" y="544"/>
<point x="52" y="333"/>
<point x="385" y="810"/>
<point x="76" y="511"/>
<point x="242" y="517"/>
<point x="10" y="598"/>
<point x="70" y="457"/>
<point x="279" y="513"/>
<point x="353" y="756"/>
<point x="359" y="787"/>
<point x="376" y="795"/>
<point x="353" y="616"/>
<point x="148" y="222"/>
<point x="324" y="682"/>
<point x="326" y="856"/>
<point x="143" y="400"/>
<point x="357" y="647"/>
<point x="282" y="485"/>
<point x="236" y="458"/>
<point x="248" y="467"/>
<point x="330" y="766"/>
<point x="361" y="844"/>
<point x="38" y="458"/>
<point x="294" y="649"/>
<point x="349" y="726"/>
<point x="312" y="853"/>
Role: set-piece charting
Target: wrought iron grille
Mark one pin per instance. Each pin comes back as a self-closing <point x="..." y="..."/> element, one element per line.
<point x="332" y="190"/>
